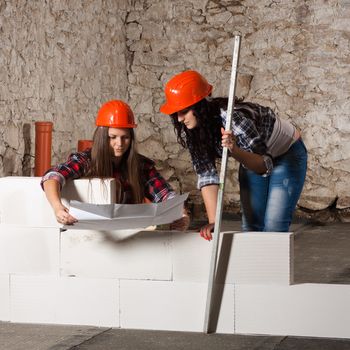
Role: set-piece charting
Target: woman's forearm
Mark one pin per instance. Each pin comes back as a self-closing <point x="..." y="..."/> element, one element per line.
<point x="210" y="196"/>
<point x="53" y="193"/>
<point x="251" y="161"/>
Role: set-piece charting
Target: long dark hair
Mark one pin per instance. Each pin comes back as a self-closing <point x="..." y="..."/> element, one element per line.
<point x="102" y="163"/>
<point x="205" y="139"/>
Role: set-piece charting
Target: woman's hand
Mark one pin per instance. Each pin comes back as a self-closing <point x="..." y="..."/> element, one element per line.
<point x="181" y="224"/>
<point x="63" y="216"/>
<point x="228" y="140"/>
<point x="52" y="192"/>
<point x="206" y="231"/>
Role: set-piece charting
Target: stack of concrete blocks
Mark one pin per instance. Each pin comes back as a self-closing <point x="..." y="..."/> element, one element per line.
<point x="154" y="279"/>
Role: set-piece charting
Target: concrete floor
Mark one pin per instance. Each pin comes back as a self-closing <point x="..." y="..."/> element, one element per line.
<point x="321" y="256"/>
<point x="55" y="337"/>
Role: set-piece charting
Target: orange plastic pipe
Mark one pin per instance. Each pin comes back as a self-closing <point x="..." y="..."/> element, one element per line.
<point x="84" y="144"/>
<point x="43" y="143"/>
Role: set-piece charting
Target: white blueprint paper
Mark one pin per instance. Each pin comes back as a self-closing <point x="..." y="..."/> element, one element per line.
<point x="125" y="216"/>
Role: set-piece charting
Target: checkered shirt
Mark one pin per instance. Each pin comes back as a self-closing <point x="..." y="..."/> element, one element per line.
<point x="250" y="136"/>
<point x="155" y="187"/>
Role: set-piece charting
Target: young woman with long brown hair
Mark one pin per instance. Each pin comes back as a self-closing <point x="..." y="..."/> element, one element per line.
<point x="113" y="155"/>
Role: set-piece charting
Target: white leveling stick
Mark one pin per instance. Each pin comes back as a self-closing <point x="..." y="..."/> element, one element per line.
<point x="219" y="207"/>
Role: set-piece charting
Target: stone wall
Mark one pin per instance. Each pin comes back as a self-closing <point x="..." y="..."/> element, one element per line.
<point x="59" y="61"/>
<point x="62" y="59"/>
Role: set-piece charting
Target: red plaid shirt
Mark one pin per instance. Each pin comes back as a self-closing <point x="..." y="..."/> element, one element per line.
<point x="155" y="187"/>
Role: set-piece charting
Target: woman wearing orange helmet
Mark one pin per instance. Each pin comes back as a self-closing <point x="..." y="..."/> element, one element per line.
<point x="272" y="156"/>
<point x="113" y="154"/>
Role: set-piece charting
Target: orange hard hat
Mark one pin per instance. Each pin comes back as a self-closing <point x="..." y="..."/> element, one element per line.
<point x="184" y="90"/>
<point x="115" y="114"/>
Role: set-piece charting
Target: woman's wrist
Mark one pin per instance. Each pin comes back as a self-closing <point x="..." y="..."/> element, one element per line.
<point x="58" y="206"/>
<point x="233" y="148"/>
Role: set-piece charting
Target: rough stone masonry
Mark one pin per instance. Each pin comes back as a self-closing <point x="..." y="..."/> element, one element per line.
<point x="61" y="59"/>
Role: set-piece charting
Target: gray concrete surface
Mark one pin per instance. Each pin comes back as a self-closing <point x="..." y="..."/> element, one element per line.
<point x="321" y="256"/>
<point x="55" y="337"/>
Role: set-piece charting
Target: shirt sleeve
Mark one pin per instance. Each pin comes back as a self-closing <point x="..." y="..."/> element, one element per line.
<point x="75" y="167"/>
<point x="208" y="177"/>
<point x="248" y="137"/>
<point x="205" y="170"/>
<point x="157" y="189"/>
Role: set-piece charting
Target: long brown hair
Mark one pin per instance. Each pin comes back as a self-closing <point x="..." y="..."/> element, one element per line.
<point x="102" y="163"/>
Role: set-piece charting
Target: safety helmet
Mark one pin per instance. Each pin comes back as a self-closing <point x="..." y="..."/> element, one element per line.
<point x="184" y="90"/>
<point x="115" y="114"/>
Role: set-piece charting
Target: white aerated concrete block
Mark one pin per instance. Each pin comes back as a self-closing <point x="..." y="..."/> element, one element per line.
<point x="226" y="318"/>
<point x="313" y="310"/>
<point x="260" y="258"/>
<point x="99" y="254"/>
<point x="162" y="305"/>
<point x="30" y="250"/>
<point x="90" y="191"/>
<point x="33" y="299"/>
<point x="89" y="302"/>
<point x="23" y="202"/>
<point x="65" y="301"/>
<point x="4" y="297"/>
<point x="171" y="306"/>
<point x="249" y="257"/>
<point x="191" y="257"/>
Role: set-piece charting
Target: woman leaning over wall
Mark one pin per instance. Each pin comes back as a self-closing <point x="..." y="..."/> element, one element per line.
<point x="270" y="150"/>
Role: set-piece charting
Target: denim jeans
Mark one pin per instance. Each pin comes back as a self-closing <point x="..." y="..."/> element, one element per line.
<point x="268" y="203"/>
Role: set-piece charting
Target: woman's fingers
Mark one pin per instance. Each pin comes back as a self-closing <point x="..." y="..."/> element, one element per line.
<point x="227" y="139"/>
<point x="63" y="217"/>
<point x="71" y="220"/>
<point x="206" y="231"/>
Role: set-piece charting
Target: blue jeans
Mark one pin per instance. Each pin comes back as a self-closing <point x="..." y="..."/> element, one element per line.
<point x="268" y="203"/>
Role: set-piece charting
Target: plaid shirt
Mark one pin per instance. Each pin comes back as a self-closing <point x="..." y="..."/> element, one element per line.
<point x="250" y="136"/>
<point x="155" y="187"/>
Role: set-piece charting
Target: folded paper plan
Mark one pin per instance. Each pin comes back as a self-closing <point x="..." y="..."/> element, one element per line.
<point x="125" y="216"/>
